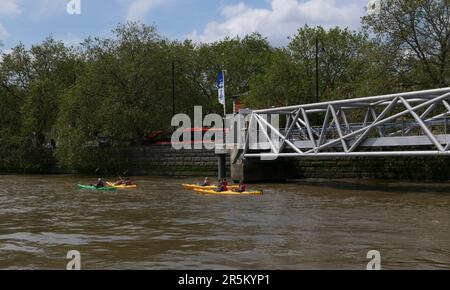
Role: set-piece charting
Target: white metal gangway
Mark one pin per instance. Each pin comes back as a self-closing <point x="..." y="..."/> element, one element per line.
<point x="403" y="124"/>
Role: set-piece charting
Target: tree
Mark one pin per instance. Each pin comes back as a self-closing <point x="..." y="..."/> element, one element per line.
<point x="50" y="73"/>
<point x="420" y="29"/>
<point x="345" y="60"/>
<point x="120" y="96"/>
<point x="241" y="58"/>
<point x="14" y="73"/>
<point x="280" y="85"/>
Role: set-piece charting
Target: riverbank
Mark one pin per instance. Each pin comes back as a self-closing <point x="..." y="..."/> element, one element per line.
<point x="155" y="160"/>
<point x="163" y="160"/>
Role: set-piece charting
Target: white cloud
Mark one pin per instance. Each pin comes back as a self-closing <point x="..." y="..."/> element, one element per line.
<point x="3" y="32"/>
<point x="139" y="8"/>
<point x="9" y="7"/>
<point x="282" y="19"/>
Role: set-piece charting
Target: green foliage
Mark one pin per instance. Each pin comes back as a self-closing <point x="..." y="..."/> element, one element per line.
<point x="346" y="68"/>
<point x="241" y="58"/>
<point x="420" y="32"/>
<point x="110" y="93"/>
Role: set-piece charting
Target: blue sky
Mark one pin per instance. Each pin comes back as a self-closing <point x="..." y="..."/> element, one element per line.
<point x="30" y="21"/>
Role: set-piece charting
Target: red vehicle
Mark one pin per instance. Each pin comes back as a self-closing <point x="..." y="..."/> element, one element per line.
<point x="164" y="138"/>
<point x="156" y="137"/>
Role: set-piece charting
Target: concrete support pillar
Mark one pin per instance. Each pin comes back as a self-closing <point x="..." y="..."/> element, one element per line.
<point x="222" y="170"/>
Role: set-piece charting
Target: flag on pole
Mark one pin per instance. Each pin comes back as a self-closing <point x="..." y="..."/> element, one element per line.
<point x="221" y="87"/>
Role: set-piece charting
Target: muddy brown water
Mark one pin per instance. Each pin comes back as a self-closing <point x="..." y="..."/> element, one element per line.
<point x="310" y="224"/>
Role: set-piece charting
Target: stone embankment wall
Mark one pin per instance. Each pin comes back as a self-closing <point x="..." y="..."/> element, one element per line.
<point x="163" y="160"/>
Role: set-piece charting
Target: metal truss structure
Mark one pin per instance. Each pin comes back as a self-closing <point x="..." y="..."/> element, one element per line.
<point x="404" y="124"/>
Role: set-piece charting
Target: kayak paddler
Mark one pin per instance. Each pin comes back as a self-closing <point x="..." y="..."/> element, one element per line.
<point x="205" y="182"/>
<point x="241" y="188"/>
<point x="225" y="183"/>
<point x="128" y="182"/>
<point x="119" y="181"/>
<point x="223" y="186"/>
<point x="100" y="183"/>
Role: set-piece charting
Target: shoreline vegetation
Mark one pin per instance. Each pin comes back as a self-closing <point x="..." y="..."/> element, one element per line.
<point x="72" y="106"/>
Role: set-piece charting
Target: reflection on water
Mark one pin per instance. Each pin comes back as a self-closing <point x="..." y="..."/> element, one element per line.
<point x="303" y="225"/>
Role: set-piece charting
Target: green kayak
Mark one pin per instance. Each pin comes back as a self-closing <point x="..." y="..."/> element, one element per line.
<point x="95" y="188"/>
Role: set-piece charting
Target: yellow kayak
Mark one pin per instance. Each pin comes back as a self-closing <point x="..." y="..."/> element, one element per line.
<point x="196" y="186"/>
<point x="111" y="184"/>
<point x="211" y="191"/>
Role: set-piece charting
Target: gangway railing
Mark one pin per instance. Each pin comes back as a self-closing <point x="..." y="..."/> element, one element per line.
<point x="403" y="124"/>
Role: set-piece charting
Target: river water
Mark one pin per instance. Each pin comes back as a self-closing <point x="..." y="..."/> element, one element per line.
<point x="311" y="224"/>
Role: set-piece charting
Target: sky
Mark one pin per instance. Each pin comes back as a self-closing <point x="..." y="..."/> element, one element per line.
<point x="31" y="21"/>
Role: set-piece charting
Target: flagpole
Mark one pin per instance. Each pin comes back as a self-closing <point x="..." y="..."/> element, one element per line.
<point x="224" y="111"/>
<point x="224" y="96"/>
<point x="222" y="172"/>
